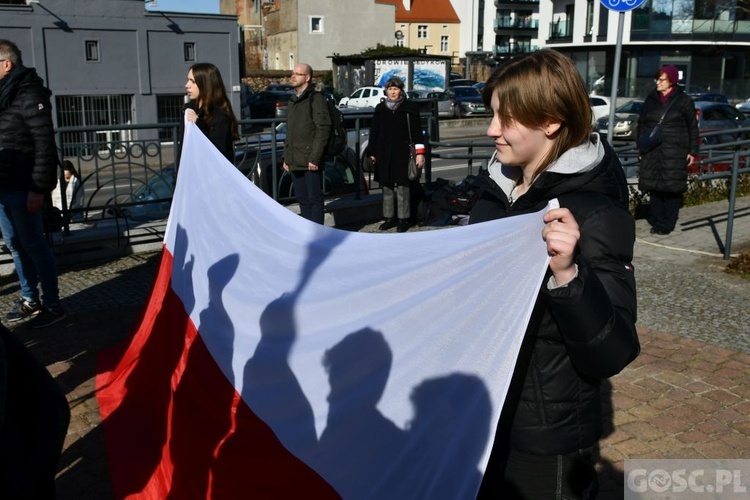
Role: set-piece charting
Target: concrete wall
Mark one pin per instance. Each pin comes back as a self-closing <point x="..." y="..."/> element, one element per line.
<point x="141" y="53"/>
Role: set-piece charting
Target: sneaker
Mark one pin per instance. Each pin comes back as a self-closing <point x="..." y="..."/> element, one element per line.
<point x="23" y="309"/>
<point x="48" y="316"/>
<point x="403" y="225"/>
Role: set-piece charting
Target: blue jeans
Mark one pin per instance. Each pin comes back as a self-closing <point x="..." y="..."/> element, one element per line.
<point x="23" y="233"/>
<point x="308" y="189"/>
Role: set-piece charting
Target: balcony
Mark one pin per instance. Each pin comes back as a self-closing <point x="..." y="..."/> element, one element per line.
<point x="498" y="3"/>
<point x="512" y="49"/>
<point x="560" y="30"/>
<point x="509" y="23"/>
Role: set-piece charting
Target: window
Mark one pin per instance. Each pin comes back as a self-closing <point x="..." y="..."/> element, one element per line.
<point x="444" y="43"/>
<point x="421" y="31"/>
<point x="93" y="111"/>
<point x="169" y="109"/>
<point x="189" y="51"/>
<point x="92" y="50"/>
<point x="316" y="24"/>
<point x="400" y="42"/>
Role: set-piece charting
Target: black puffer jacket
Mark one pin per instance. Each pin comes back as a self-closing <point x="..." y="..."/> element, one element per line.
<point x="664" y="168"/>
<point x="389" y="141"/>
<point x="581" y="333"/>
<point x="28" y="156"/>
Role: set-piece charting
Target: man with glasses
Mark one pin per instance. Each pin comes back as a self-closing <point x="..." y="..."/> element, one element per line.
<point x="308" y="128"/>
<point x="28" y="159"/>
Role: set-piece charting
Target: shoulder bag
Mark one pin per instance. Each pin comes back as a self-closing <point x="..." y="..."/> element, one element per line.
<point x="649" y="139"/>
<point x="414" y="171"/>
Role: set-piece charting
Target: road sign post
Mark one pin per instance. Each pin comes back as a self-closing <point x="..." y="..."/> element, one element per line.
<point x="620" y="6"/>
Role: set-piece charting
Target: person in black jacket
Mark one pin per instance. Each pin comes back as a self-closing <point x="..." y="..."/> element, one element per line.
<point x="663" y="171"/>
<point x="582" y="328"/>
<point x="210" y="109"/>
<point x="28" y="157"/>
<point x="391" y="135"/>
<point x="34" y="418"/>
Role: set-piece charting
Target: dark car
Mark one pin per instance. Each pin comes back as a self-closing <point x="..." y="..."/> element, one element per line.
<point x="718" y="116"/>
<point x="461" y="82"/>
<point x="445" y="103"/>
<point x="268" y="104"/>
<point x="467" y="101"/>
<point x="152" y="200"/>
<point x="626" y="121"/>
<point x="707" y="96"/>
<point x="261" y="159"/>
<point x="284" y="87"/>
<point x="332" y="93"/>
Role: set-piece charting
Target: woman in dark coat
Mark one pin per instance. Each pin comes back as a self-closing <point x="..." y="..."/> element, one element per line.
<point x="389" y="152"/>
<point x="663" y="171"/>
<point x="210" y="109"/>
<point x="582" y="328"/>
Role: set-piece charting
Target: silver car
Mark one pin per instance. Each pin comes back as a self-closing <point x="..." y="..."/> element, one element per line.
<point x="445" y="104"/>
<point x="626" y="121"/>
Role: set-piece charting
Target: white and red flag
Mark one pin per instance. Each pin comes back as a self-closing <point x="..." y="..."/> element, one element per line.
<point x="278" y="358"/>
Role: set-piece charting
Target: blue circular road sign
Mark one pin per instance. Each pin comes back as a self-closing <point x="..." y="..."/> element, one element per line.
<point x="621" y="5"/>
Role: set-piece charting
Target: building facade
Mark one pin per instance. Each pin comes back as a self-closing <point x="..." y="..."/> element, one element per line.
<point x="709" y="42"/>
<point x="113" y="62"/>
<point x="431" y="26"/>
<point x="279" y="34"/>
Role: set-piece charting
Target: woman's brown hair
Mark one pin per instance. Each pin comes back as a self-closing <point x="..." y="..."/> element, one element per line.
<point x="539" y="88"/>
<point x="212" y="93"/>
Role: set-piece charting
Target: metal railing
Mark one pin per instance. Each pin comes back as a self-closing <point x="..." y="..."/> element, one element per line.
<point x="725" y="160"/>
<point x="122" y="180"/>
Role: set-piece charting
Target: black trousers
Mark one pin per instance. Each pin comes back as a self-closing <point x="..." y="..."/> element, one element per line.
<point x="523" y="476"/>
<point x="665" y="207"/>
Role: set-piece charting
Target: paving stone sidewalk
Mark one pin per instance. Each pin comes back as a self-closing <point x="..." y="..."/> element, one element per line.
<point x="686" y="396"/>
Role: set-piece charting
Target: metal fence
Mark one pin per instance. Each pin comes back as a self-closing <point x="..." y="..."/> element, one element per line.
<point x="128" y="181"/>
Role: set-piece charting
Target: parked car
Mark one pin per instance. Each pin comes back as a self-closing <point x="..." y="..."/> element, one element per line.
<point x="269" y="104"/>
<point x="717" y="116"/>
<point x="332" y="93"/>
<point x="461" y="82"/>
<point x="479" y="86"/>
<point x="445" y="104"/>
<point x="467" y="102"/>
<point x="255" y="157"/>
<point x="257" y="162"/>
<point x="599" y="106"/>
<point x="417" y="94"/>
<point x="707" y="96"/>
<point x="152" y="200"/>
<point x="284" y="87"/>
<point x="363" y="97"/>
<point x="626" y="121"/>
<point x="744" y="107"/>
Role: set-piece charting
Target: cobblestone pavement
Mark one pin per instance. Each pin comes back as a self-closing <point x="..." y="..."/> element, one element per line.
<point x="686" y="396"/>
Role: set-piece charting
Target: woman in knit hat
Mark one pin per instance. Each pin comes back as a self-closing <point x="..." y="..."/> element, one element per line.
<point x="663" y="170"/>
<point x="395" y="126"/>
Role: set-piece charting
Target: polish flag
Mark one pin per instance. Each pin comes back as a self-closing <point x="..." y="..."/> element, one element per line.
<point x="278" y="358"/>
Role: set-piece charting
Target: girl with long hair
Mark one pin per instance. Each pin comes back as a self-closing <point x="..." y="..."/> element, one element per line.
<point x="209" y="107"/>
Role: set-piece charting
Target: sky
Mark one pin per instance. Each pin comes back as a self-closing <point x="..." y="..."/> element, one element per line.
<point x="191" y="6"/>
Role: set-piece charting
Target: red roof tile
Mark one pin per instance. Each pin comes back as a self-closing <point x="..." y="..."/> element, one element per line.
<point x="433" y="11"/>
